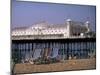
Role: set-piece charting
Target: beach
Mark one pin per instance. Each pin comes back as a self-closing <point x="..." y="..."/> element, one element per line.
<point x="66" y="65"/>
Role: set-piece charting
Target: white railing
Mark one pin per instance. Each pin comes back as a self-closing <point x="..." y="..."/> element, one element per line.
<point x="44" y="37"/>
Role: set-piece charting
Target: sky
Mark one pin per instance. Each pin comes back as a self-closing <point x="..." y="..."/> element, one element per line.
<point x="29" y="13"/>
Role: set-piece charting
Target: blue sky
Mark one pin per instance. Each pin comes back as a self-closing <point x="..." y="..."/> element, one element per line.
<point x="28" y="13"/>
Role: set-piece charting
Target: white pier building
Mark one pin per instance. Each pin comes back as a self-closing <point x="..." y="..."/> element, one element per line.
<point x="43" y="30"/>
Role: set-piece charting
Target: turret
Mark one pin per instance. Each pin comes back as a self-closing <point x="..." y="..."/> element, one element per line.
<point x="87" y="24"/>
<point x="68" y="21"/>
<point x="68" y="24"/>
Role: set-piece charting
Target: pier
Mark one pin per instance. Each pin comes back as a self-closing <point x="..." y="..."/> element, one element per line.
<point x="61" y="49"/>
